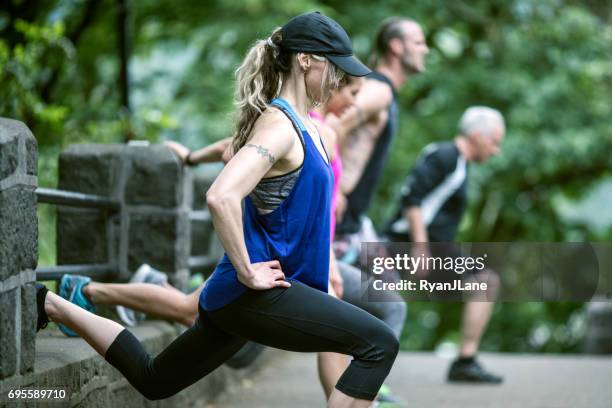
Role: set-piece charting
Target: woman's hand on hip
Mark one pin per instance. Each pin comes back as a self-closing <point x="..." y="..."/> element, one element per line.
<point x="264" y="275"/>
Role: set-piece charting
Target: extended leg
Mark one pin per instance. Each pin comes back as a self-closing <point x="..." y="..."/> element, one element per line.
<point x="97" y="331"/>
<point x="195" y="353"/>
<point x="164" y="302"/>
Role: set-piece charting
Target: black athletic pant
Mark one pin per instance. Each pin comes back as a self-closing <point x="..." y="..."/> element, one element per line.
<point x="298" y="318"/>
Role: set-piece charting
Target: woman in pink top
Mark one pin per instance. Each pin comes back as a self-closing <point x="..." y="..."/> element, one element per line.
<point x="340" y="100"/>
<point x="331" y="365"/>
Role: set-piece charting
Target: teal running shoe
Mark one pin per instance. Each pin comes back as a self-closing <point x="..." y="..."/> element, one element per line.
<point x="71" y="289"/>
<point x="196" y="281"/>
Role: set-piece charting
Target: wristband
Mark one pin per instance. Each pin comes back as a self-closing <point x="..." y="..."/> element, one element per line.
<point x="188" y="160"/>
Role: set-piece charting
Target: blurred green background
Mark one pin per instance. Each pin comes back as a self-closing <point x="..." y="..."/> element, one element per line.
<point x="545" y="64"/>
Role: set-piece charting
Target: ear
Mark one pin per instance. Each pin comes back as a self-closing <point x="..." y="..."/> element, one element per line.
<point x="396" y="46"/>
<point x="303" y="61"/>
<point x="474" y="137"/>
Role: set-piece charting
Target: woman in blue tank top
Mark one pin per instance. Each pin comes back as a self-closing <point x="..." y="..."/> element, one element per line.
<point x="271" y="286"/>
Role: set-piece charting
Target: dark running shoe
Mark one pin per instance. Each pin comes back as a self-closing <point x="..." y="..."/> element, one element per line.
<point x="42" y="318"/>
<point x="472" y="372"/>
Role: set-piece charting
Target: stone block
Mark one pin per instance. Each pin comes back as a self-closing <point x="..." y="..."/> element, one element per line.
<point x="155" y="177"/>
<point x="97" y="398"/>
<point x="9" y="157"/>
<point x="202" y="181"/>
<point x="18" y="230"/>
<point x="161" y="240"/>
<point x="82" y="236"/>
<point x="8" y="340"/>
<point x="201" y="235"/>
<point x="28" y="327"/>
<point x="11" y="131"/>
<point x="126" y="396"/>
<point x="32" y="156"/>
<point x="91" y="168"/>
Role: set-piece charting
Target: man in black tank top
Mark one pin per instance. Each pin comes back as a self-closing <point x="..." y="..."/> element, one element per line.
<point x="359" y="198"/>
<point x="367" y="130"/>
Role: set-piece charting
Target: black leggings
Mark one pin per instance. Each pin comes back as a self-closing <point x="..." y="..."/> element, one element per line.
<point x="298" y="318"/>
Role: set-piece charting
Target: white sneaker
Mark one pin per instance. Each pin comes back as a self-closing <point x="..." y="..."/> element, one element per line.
<point x="144" y="274"/>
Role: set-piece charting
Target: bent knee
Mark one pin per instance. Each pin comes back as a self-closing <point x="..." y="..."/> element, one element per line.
<point x="154" y="391"/>
<point x="390" y="346"/>
<point x="383" y="348"/>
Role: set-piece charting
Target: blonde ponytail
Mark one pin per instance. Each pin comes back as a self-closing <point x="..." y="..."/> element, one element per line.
<point x="258" y="81"/>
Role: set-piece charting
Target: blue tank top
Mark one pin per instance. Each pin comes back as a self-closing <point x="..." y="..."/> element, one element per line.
<point x="296" y="233"/>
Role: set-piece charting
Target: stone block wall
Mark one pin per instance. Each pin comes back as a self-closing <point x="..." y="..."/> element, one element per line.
<point x="155" y="192"/>
<point x="18" y="247"/>
<point x="153" y="225"/>
<point x="89" y="381"/>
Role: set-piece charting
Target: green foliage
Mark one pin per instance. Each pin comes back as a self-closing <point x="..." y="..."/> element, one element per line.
<point x="23" y="68"/>
<point x="546" y="64"/>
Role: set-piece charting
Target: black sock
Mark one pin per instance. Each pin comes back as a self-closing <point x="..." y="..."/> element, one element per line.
<point x="41" y="294"/>
<point x="466" y="360"/>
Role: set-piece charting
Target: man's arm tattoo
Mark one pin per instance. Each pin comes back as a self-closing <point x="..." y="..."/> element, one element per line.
<point x="262" y="151"/>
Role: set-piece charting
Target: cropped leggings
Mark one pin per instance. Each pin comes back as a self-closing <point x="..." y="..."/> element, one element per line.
<point x="298" y="318"/>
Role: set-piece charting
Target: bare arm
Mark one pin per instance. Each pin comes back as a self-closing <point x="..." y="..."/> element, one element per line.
<point x="418" y="235"/>
<point x="356" y="152"/>
<point x="373" y="98"/>
<point x="272" y="138"/>
<point x="211" y="153"/>
<point x="359" y="128"/>
<point x="418" y="231"/>
<point x="335" y="278"/>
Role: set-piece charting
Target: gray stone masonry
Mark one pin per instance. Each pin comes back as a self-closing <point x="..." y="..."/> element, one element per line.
<point x="155" y="192"/>
<point x="90" y="381"/>
<point x="18" y="247"/>
<point x="153" y="225"/>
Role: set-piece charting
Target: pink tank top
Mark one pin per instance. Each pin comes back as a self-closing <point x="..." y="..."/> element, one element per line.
<point x="336" y="165"/>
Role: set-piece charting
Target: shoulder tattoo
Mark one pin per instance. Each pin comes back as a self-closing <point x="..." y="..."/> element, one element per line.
<point x="262" y="151"/>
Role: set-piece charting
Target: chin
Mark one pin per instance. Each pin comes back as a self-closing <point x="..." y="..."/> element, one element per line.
<point x="413" y="69"/>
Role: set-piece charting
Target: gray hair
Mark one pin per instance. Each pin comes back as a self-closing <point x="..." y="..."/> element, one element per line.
<point x="481" y="119"/>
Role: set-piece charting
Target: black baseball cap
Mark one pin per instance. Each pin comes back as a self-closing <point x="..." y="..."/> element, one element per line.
<point x="318" y="34"/>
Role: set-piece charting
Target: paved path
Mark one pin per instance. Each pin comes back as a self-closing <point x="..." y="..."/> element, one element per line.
<point x="538" y="381"/>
